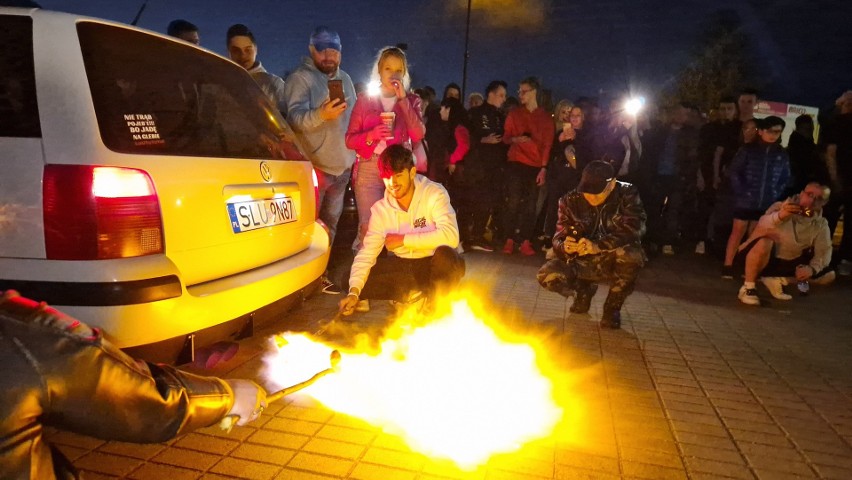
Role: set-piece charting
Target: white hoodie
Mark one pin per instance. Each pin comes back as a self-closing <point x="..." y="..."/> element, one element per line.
<point x="429" y="223"/>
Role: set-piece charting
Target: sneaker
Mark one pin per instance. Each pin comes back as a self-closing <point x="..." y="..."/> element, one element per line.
<point x="775" y="285"/>
<point x="700" y="248"/>
<point x="509" y="247"/>
<point x="668" y="250"/>
<point x="363" y="306"/>
<point x="328" y="287"/>
<point x="844" y="268"/>
<point x="611" y="319"/>
<point x="527" y="249"/>
<point x="748" y="296"/>
<point x="481" y="246"/>
<point x="728" y="272"/>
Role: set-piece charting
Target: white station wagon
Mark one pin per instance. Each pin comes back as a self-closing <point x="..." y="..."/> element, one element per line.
<point x="147" y="186"/>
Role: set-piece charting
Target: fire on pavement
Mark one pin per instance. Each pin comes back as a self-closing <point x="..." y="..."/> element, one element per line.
<point x="458" y="385"/>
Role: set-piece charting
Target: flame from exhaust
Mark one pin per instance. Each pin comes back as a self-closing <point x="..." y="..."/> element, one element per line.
<point x="456" y="386"/>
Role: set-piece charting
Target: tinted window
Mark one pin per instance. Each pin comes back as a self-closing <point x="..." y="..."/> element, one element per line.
<point x="18" y="107"/>
<point x="156" y="96"/>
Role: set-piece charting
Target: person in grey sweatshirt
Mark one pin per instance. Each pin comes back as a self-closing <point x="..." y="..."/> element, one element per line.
<point x="320" y="122"/>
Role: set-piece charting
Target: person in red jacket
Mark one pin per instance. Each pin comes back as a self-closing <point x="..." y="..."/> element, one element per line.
<point x="390" y="116"/>
<point x="529" y="133"/>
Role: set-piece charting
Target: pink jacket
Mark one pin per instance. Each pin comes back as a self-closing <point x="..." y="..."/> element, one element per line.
<point x="365" y="116"/>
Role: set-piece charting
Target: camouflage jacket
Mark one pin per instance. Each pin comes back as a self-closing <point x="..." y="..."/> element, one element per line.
<point x="618" y="221"/>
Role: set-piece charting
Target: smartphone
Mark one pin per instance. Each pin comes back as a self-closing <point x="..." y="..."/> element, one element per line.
<point x="335" y="90"/>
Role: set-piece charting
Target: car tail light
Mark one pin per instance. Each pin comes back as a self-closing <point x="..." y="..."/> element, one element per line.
<point x="316" y="194"/>
<point x="95" y="213"/>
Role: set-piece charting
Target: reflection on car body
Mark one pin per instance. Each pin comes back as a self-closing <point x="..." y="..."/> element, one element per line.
<point x="166" y="199"/>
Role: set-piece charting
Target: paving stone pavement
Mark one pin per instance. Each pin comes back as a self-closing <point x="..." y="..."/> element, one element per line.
<point x="694" y="386"/>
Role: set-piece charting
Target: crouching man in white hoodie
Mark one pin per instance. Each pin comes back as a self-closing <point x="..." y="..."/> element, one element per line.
<point x="417" y="224"/>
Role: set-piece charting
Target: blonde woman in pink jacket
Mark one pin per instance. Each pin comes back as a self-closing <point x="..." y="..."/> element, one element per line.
<point x="389" y="116"/>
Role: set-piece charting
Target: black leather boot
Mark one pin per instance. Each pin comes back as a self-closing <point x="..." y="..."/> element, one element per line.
<point x="611" y="317"/>
<point x="583" y="300"/>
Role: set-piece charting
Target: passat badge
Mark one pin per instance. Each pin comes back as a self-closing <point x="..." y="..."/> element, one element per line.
<point x="265" y="172"/>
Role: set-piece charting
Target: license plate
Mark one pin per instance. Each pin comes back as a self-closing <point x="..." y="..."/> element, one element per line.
<point x="254" y="214"/>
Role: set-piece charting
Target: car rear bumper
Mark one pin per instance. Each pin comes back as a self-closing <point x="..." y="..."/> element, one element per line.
<point x="98" y="294"/>
<point x="196" y="308"/>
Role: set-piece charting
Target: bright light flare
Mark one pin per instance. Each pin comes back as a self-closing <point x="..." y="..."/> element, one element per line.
<point x="374" y="88"/>
<point x="453" y="388"/>
<point x="634" y="105"/>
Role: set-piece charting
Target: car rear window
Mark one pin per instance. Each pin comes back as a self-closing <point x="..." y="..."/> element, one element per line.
<point x="155" y="96"/>
<point x="18" y="106"/>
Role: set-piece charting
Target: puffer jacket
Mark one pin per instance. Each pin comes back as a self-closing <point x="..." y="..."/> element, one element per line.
<point x="759" y="175"/>
<point x="617" y="222"/>
<point x="59" y="372"/>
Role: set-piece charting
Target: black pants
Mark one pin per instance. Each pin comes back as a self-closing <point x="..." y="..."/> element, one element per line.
<point x="393" y="278"/>
<point x="474" y="191"/>
<point x="664" y="202"/>
<point x="832" y="211"/>
<point x="620" y="267"/>
<point x="523" y="193"/>
<point x="561" y="179"/>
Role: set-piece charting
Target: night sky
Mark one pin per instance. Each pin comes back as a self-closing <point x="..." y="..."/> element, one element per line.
<point x="577" y="47"/>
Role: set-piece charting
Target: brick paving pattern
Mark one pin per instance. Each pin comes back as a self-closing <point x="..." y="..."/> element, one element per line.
<point x="694" y="386"/>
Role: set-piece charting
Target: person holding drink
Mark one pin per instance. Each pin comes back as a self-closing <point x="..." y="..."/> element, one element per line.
<point x="566" y="163"/>
<point x="390" y="116"/>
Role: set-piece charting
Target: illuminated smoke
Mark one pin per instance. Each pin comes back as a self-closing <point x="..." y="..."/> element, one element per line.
<point x="526" y="14"/>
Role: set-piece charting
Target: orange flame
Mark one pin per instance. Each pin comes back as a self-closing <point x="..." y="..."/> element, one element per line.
<point x="455" y="386"/>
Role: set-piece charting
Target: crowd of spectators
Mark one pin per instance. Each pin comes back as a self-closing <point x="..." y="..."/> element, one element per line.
<point x="712" y="182"/>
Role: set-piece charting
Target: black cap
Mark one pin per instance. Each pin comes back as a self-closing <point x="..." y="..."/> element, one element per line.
<point x="596" y="176"/>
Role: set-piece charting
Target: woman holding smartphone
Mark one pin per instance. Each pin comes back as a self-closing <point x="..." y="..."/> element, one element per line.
<point x="570" y="154"/>
<point x="390" y="116"/>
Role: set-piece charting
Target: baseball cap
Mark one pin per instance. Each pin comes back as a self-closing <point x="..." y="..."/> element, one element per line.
<point x="596" y="176"/>
<point x="323" y="38"/>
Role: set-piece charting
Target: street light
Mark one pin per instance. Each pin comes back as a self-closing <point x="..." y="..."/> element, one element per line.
<point x="466" y="51"/>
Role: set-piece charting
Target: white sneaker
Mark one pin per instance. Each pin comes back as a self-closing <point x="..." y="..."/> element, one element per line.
<point x="748" y="296"/>
<point x="362" y="306"/>
<point x="668" y="250"/>
<point x="844" y="268"/>
<point x="775" y="285"/>
<point x="700" y="248"/>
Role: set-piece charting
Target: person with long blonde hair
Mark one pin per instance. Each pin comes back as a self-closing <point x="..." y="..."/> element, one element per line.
<point x="382" y="116"/>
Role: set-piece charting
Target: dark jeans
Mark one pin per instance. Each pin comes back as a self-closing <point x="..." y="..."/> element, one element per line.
<point x="523" y="193"/>
<point x="474" y="192"/>
<point x="332" y="189"/>
<point x="393" y="278"/>
<point x="620" y="267"/>
<point x="841" y="199"/>
<point x="664" y="201"/>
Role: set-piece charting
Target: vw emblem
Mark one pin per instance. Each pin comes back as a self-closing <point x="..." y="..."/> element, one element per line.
<point x="265" y="173"/>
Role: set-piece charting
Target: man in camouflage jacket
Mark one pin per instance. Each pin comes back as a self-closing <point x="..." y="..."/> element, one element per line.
<point x="598" y="237"/>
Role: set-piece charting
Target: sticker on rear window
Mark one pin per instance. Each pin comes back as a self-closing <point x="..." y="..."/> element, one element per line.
<point x="143" y="129"/>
